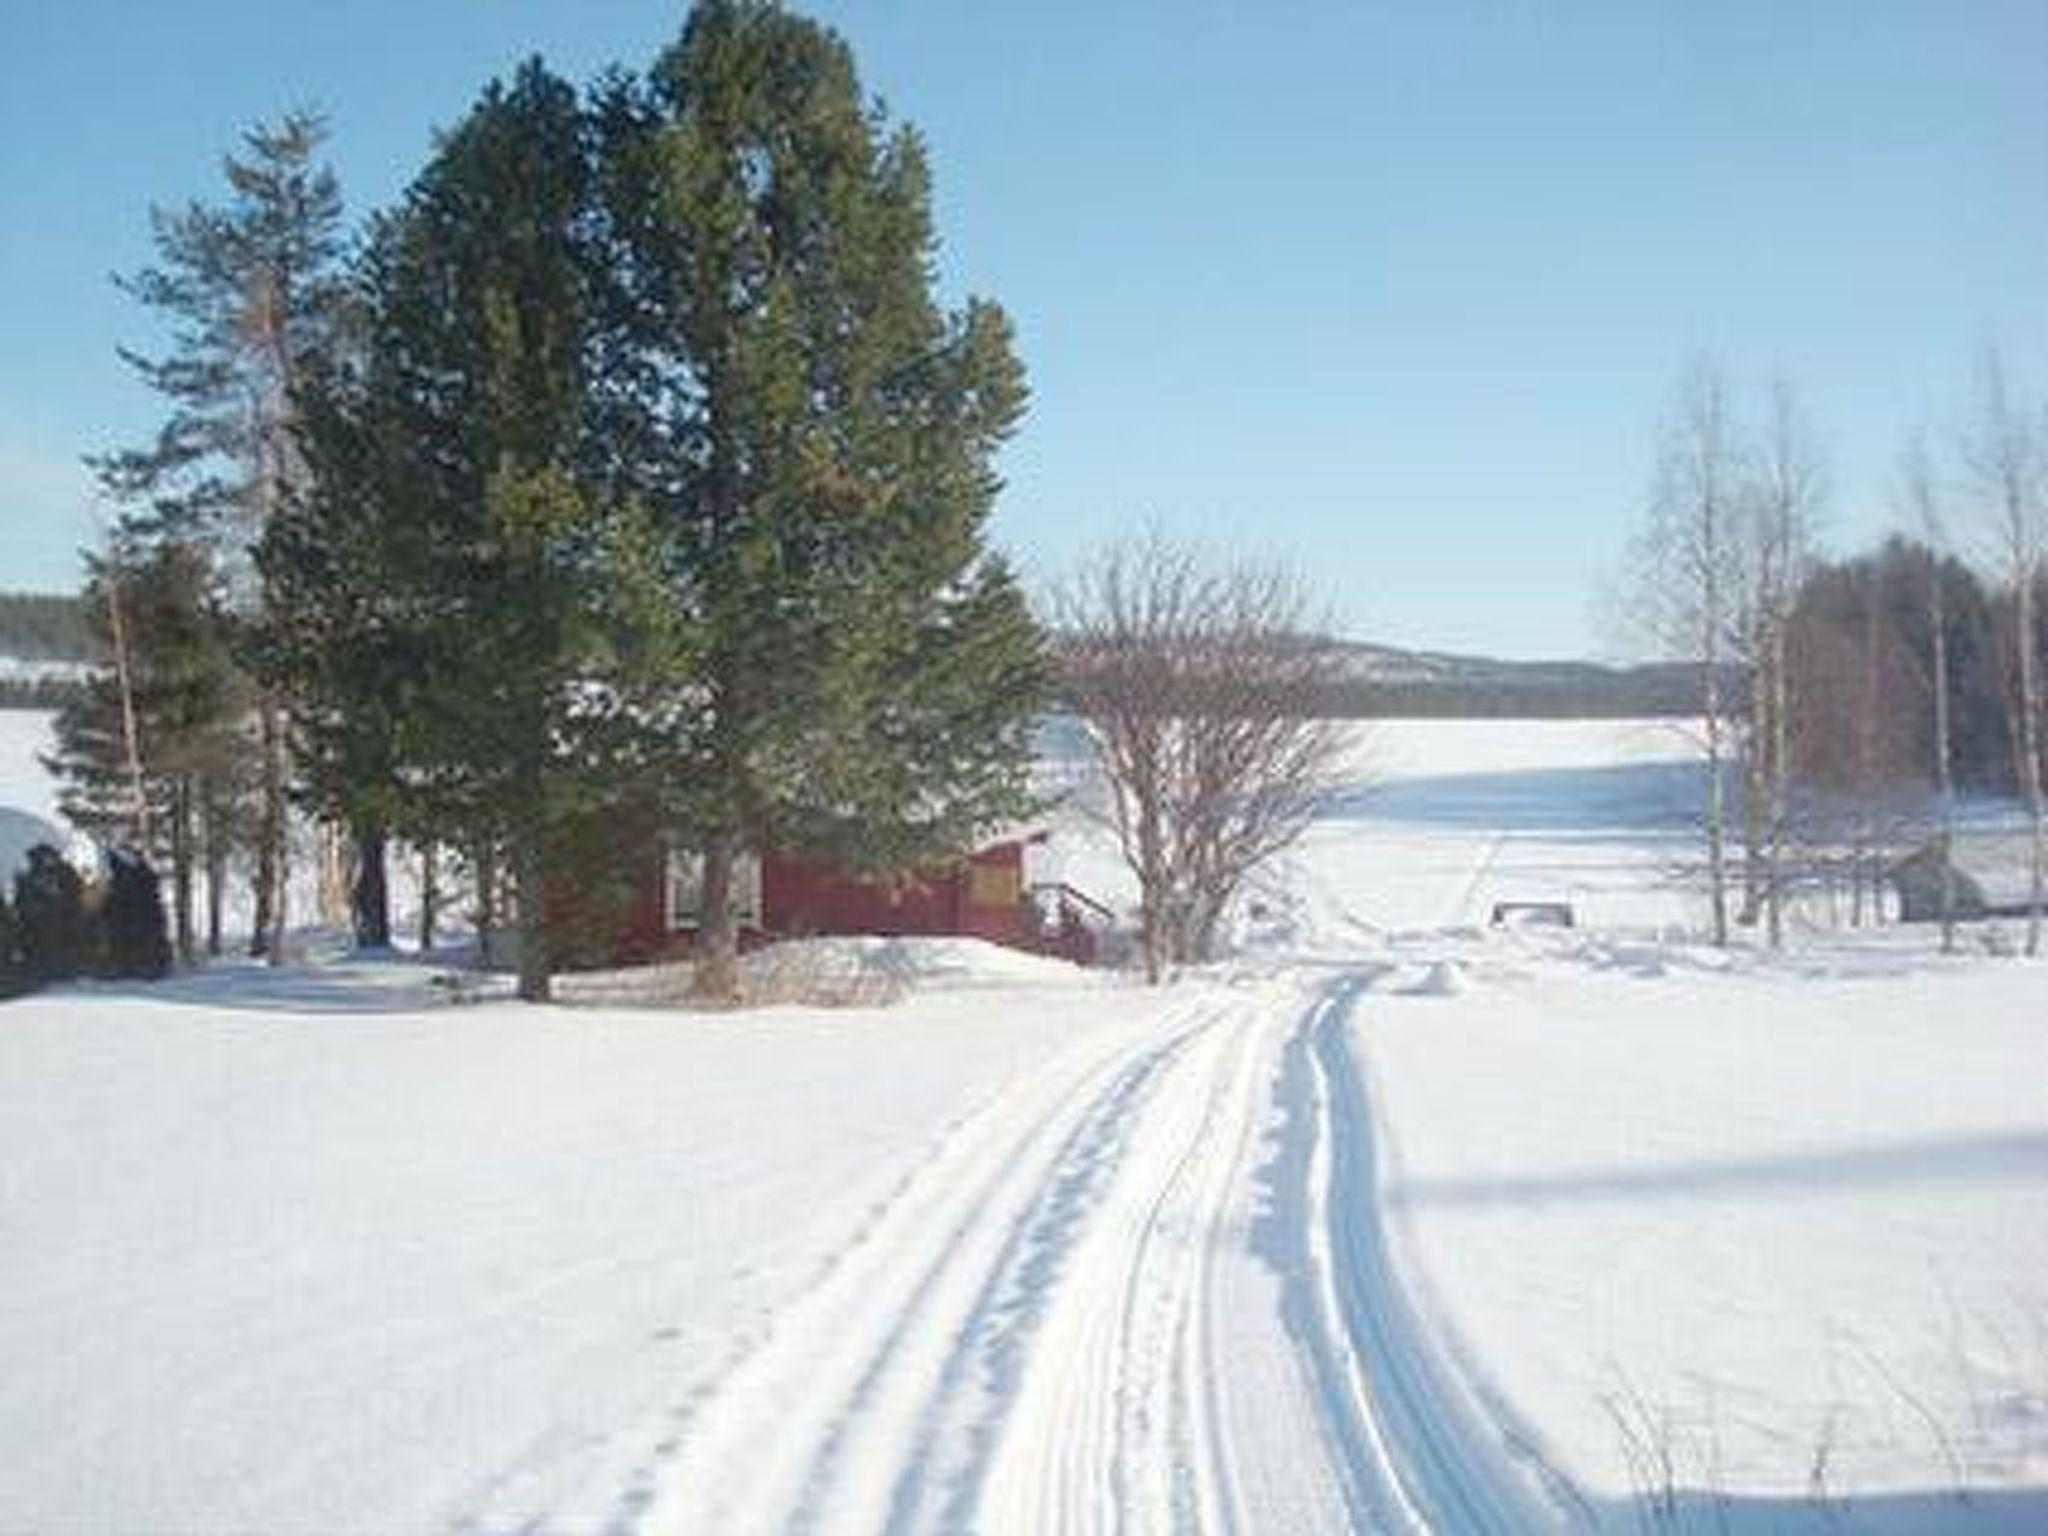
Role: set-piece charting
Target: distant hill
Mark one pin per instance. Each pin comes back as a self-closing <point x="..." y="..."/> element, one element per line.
<point x="46" y="645"/>
<point x="1385" y="680"/>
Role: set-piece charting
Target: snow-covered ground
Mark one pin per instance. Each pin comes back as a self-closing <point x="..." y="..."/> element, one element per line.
<point x="1394" y="1222"/>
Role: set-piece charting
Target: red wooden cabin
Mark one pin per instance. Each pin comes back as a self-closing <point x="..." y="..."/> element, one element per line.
<point x="777" y="895"/>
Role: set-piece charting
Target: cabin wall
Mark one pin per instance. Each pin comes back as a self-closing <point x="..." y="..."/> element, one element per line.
<point x="981" y="896"/>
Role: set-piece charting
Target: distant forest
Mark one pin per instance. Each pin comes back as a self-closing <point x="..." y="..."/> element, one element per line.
<point x="42" y="627"/>
<point x="45" y="626"/>
<point x="1480" y="690"/>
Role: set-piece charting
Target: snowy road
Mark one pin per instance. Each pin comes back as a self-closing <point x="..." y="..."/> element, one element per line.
<point x="1144" y="1288"/>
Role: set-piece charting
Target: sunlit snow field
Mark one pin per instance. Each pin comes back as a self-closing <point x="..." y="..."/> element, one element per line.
<point x="1729" y="1243"/>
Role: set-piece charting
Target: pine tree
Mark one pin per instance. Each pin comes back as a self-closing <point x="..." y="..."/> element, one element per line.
<point x="866" y="668"/>
<point x="251" y="291"/>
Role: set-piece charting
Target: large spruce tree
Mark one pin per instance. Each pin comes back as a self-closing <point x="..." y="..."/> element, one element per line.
<point x="814" y="435"/>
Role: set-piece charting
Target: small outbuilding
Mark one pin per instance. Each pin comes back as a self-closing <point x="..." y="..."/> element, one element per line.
<point x="1986" y="873"/>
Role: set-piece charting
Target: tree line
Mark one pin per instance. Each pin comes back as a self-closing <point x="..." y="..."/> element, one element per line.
<point x="43" y="627"/>
<point x="623" y="481"/>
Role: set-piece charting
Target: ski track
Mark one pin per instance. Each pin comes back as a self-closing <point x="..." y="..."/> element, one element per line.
<point x="1144" y="1288"/>
<point x="1422" y="1453"/>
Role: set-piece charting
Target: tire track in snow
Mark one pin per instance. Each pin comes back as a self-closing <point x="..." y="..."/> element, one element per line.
<point x="1418" y="1451"/>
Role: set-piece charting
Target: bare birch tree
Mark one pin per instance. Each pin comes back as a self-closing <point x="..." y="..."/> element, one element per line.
<point x="2007" y="464"/>
<point x="1781" y="504"/>
<point x="1682" y="585"/>
<point x="1199" y="685"/>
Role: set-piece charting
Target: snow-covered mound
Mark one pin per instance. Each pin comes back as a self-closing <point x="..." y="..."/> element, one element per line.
<point x="836" y="971"/>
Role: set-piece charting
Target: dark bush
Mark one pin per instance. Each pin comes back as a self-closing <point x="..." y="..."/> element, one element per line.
<point x="49" y="909"/>
<point x="134" y="933"/>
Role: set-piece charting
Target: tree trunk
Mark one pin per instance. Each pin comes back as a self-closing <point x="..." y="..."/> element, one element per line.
<point x="1717" y="884"/>
<point x="336" y="895"/>
<point x="716" y="973"/>
<point x="486" y="898"/>
<point x="1857" y="864"/>
<point x="430" y="893"/>
<point x="370" y="893"/>
<point x="2030" y="753"/>
<point x="266" y="937"/>
<point x="181" y="869"/>
<point x="130" y="737"/>
<point x="1755" y="772"/>
<point x="1154" y="914"/>
<point x="216" y="882"/>
<point x="1778" y="773"/>
<point x="1207" y="922"/>
<point x="528" y="881"/>
<point x="1944" y="772"/>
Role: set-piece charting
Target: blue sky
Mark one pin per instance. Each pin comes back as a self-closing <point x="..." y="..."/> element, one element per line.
<point x="1394" y="291"/>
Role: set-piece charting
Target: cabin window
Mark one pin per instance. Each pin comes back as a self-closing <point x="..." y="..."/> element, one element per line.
<point x="686" y="884"/>
<point x="994" y="885"/>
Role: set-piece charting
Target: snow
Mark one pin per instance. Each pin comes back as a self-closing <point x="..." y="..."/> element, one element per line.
<point x="28" y="796"/>
<point x="1392" y="1221"/>
<point x="395" y="1269"/>
<point x="1788" y="1211"/>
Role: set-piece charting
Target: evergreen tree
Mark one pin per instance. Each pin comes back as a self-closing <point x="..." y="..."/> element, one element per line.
<point x="814" y="436"/>
<point x="1847" y="605"/>
<point x="250" y="289"/>
<point x="457" y="574"/>
<point x="50" y="915"/>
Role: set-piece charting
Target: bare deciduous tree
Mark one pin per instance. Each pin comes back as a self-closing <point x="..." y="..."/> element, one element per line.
<point x="1683" y="583"/>
<point x="2007" y="464"/>
<point x="1775" y="537"/>
<point x="1199" y="684"/>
